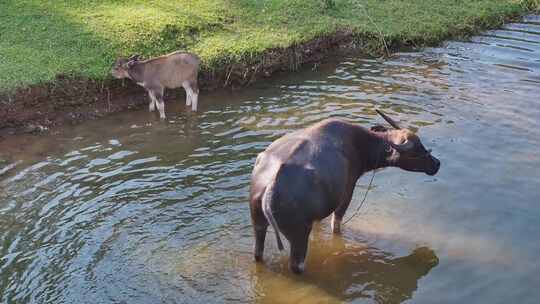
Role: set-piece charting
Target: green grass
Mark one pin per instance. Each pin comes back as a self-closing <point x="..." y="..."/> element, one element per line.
<point x="42" y="39"/>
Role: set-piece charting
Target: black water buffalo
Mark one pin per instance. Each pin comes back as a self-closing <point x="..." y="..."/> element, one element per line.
<point x="311" y="173"/>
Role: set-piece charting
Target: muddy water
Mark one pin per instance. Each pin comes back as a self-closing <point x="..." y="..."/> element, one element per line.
<point x="132" y="210"/>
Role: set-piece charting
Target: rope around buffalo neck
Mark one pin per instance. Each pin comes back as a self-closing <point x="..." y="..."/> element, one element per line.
<point x="365" y="194"/>
<point x="363" y="200"/>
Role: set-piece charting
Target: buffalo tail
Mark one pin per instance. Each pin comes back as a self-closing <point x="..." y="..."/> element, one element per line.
<point x="266" y="201"/>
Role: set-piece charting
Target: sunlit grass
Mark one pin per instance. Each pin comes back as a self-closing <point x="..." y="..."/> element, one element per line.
<point x="41" y="39"/>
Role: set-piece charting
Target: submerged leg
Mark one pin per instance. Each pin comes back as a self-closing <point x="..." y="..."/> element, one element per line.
<point x="158" y="93"/>
<point x="194" y="95"/>
<point x="339" y="213"/>
<point x="152" y="105"/>
<point x="260" y="235"/>
<point x="161" y="109"/>
<point x="194" y="101"/>
<point x="336" y="223"/>
<point x="189" y="96"/>
<point x="299" y="245"/>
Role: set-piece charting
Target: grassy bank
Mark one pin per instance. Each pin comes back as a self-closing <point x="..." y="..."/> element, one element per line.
<point x="40" y="40"/>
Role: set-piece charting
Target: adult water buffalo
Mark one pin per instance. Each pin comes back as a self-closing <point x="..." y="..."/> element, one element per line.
<point x="311" y="173"/>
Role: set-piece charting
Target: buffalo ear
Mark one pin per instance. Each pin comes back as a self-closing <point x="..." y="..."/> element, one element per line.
<point x="378" y="128"/>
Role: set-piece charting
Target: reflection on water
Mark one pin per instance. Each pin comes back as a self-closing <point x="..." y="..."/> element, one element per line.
<point x="343" y="270"/>
<point x="129" y="209"/>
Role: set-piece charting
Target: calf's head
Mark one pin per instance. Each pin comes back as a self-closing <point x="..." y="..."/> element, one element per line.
<point x="122" y="65"/>
<point x="409" y="152"/>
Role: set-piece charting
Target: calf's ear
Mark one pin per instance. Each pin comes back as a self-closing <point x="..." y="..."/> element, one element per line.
<point x="134" y="57"/>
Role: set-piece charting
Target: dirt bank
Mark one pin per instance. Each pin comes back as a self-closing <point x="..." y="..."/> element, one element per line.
<point x="71" y="101"/>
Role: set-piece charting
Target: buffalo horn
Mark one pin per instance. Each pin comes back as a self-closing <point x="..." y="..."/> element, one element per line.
<point x="388" y="119"/>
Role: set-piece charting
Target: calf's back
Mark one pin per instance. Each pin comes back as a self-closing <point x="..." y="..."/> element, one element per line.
<point x="173" y="69"/>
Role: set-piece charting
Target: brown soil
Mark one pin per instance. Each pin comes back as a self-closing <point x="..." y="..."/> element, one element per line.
<point x="71" y="101"/>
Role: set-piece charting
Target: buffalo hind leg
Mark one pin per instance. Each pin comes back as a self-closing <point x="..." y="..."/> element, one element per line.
<point x="260" y="235"/>
<point x="299" y="245"/>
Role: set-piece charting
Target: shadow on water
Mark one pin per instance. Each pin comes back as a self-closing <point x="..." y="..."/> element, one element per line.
<point x="344" y="270"/>
<point x="339" y="268"/>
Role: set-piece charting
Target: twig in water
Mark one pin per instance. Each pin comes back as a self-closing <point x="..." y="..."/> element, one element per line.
<point x="108" y="100"/>
<point x="381" y="36"/>
<point x="228" y="76"/>
<point x="254" y="74"/>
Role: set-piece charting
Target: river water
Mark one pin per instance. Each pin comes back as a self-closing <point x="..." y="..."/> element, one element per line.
<point x="128" y="209"/>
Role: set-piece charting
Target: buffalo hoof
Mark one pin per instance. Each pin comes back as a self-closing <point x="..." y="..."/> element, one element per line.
<point x="297" y="269"/>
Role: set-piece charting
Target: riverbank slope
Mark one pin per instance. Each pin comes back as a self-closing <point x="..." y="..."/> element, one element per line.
<point x="55" y="56"/>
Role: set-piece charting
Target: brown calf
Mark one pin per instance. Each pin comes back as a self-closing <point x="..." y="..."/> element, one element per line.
<point x="170" y="71"/>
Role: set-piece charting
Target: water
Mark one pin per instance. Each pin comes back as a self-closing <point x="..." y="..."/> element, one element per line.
<point x="128" y="209"/>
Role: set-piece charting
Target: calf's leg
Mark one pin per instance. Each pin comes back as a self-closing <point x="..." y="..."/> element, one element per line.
<point x="189" y="95"/>
<point x="158" y="97"/>
<point x="152" y="105"/>
<point x="194" y="95"/>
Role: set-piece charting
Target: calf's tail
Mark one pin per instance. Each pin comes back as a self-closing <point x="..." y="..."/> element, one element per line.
<point x="266" y="201"/>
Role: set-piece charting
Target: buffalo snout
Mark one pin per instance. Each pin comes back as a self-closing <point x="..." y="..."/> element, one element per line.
<point x="434" y="166"/>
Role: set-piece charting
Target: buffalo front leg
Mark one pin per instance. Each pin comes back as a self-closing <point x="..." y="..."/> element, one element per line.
<point x="337" y="216"/>
<point x="336" y="223"/>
